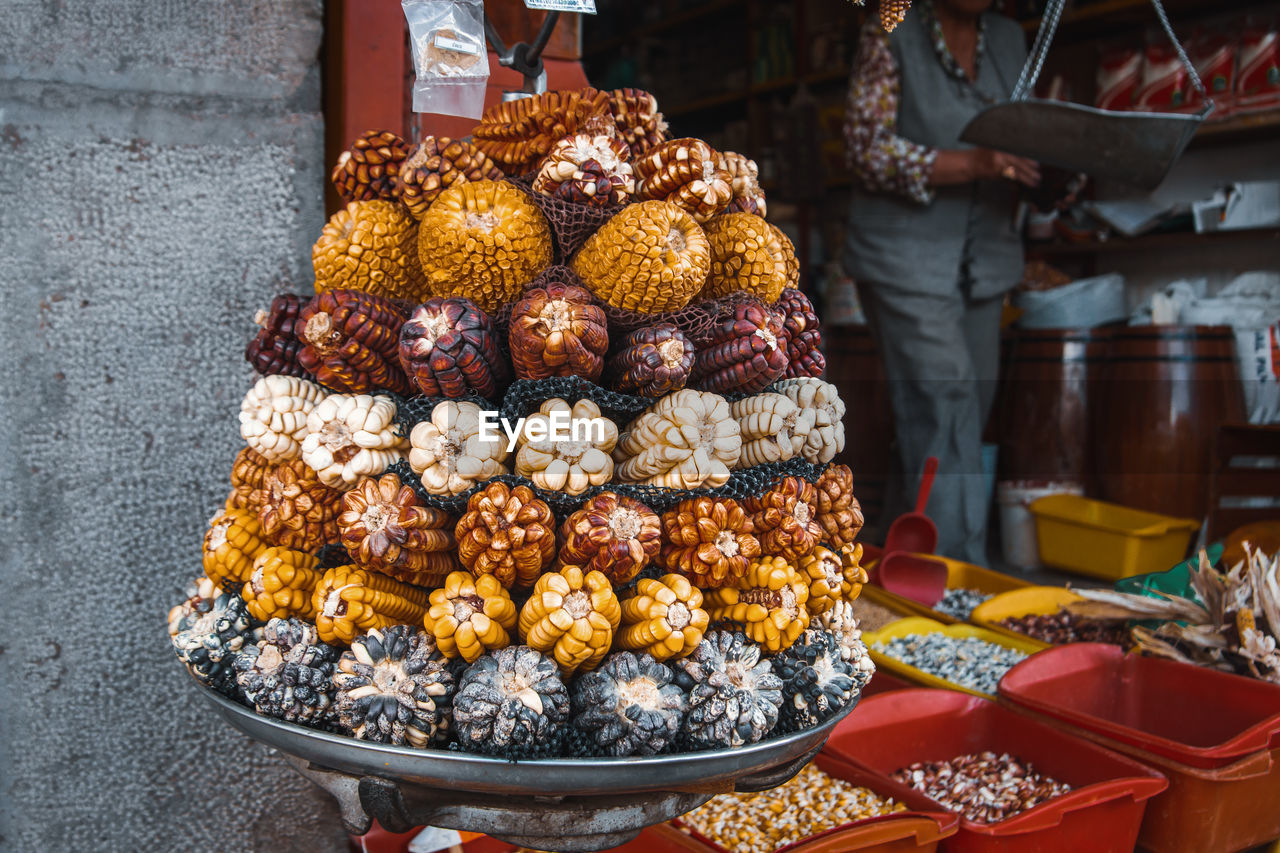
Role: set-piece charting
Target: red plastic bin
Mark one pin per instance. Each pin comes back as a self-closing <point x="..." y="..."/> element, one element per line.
<point x="1103" y="812"/>
<point x="1220" y="718"/>
<point x="1231" y="805"/>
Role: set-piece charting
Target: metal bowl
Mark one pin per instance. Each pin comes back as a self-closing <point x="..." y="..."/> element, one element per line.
<point x="565" y="804"/>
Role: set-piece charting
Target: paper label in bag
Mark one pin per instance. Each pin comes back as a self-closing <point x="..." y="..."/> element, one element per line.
<point x="433" y="839"/>
<point x="445" y="43"/>
<point x="586" y="7"/>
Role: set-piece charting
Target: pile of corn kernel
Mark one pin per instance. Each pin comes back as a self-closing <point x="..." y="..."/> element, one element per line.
<point x="872" y="616"/>
<point x="811" y="803"/>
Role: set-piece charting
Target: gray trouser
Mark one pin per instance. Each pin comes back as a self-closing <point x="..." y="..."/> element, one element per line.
<point x="941" y="355"/>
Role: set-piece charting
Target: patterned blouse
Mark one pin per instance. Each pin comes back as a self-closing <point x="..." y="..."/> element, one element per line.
<point x="883" y="161"/>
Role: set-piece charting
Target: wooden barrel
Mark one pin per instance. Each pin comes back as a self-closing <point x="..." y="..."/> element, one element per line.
<point x="1163" y="393"/>
<point x="855" y="368"/>
<point x="1044" y="404"/>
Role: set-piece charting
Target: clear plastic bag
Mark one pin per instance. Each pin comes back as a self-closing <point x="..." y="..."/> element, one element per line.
<point x="450" y="57"/>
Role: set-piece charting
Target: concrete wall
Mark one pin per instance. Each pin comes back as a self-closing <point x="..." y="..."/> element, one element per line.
<point x="160" y="178"/>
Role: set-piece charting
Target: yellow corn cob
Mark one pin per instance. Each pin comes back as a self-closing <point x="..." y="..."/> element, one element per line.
<point x="350" y="601"/>
<point x="768" y="604"/>
<point x="470" y="616"/>
<point x="572" y="617"/>
<point x="832" y="576"/>
<point x="282" y="584"/>
<point x="664" y="618"/>
<point x="233" y="542"/>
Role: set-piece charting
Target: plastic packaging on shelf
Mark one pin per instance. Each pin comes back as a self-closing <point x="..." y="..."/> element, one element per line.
<point x="1164" y="82"/>
<point x="1117" y="78"/>
<point x="1258" y="77"/>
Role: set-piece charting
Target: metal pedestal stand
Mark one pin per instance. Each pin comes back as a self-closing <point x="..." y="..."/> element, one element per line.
<point x="547" y="804"/>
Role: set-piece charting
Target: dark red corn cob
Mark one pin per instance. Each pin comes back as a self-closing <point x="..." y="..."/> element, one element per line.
<point x="746" y="352"/>
<point x="274" y="350"/>
<point x="449" y="348"/>
<point x="349" y="340"/>
<point x="804" y="339"/>
<point x="653" y="361"/>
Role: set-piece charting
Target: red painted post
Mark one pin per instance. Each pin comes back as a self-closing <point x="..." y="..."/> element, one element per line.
<point x="364" y="61"/>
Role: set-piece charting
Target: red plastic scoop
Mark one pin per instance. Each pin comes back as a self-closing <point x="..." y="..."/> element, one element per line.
<point x="915" y="531"/>
<point x="915" y="576"/>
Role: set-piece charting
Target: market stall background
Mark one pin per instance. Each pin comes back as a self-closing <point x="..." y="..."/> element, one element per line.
<point x="162" y="169"/>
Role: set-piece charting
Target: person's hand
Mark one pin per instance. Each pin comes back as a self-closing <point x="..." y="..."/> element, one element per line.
<point x="989" y="164"/>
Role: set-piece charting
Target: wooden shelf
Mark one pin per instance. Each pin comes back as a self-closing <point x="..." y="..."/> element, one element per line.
<point x="781" y="84"/>
<point x="1102" y="17"/>
<point x="1239" y="128"/>
<point x="701" y="104"/>
<point x="1091" y="12"/>
<point x="1161" y="241"/>
<point x="667" y="22"/>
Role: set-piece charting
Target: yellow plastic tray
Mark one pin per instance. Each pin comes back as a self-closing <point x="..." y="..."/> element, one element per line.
<point x="959" y="574"/>
<point x="1108" y="541"/>
<point x="921" y="625"/>
<point x="1040" y="600"/>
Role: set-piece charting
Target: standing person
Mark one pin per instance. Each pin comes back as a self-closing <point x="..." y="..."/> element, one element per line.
<point x="931" y="241"/>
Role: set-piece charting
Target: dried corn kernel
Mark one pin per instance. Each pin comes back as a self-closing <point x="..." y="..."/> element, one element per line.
<point x="810" y="803"/>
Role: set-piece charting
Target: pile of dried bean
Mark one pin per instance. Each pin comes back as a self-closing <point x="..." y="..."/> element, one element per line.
<point x="959" y="602"/>
<point x="985" y="787"/>
<point x="872" y="616"/>
<point x="1065" y="627"/>
<point x="966" y="661"/>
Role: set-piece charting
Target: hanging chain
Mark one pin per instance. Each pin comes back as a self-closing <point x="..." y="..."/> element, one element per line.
<point x="1044" y="38"/>
<point x="1177" y="45"/>
<point x="1039" y="50"/>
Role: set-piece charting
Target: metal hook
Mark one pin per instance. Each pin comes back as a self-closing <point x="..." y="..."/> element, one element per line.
<point x="523" y="57"/>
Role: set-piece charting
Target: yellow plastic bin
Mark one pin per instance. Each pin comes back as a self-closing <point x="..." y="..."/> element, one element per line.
<point x="1037" y="600"/>
<point x="959" y="574"/>
<point x="921" y="625"/>
<point x="1108" y="541"/>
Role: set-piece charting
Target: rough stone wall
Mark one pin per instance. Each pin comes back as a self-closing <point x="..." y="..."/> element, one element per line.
<point x="160" y="178"/>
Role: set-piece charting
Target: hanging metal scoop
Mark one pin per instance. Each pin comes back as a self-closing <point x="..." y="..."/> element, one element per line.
<point x="1135" y="147"/>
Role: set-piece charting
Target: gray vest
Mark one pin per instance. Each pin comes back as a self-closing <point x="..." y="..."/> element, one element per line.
<point x="922" y="248"/>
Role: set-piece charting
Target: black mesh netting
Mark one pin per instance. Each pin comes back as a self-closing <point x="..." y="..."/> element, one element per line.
<point x="524" y="396"/>
<point x="571" y="224"/>
<point x="696" y="320"/>
<point x="744" y="483"/>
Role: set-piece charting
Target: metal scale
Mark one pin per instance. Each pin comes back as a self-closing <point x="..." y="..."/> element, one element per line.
<point x="1135" y="147"/>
